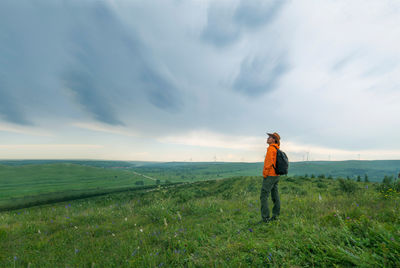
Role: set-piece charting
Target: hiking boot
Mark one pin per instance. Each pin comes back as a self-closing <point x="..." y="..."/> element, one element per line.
<point x="274" y="218"/>
<point x="264" y="221"/>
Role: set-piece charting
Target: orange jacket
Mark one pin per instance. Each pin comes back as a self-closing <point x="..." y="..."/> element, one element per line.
<point x="270" y="161"/>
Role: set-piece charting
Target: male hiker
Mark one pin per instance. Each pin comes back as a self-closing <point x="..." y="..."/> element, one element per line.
<point x="270" y="181"/>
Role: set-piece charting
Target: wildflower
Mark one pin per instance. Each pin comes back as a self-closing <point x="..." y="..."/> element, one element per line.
<point x="126" y="219"/>
<point x="161" y="264"/>
<point x="134" y="252"/>
<point x="76" y="227"/>
<point x="250" y="230"/>
<point x="15" y="258"/>
<point x="221" y="210"/>
<point x="165" y="222"/>
<point x="348" y="218"/>
<point x="76" y="251"/>
<point x="113" y="234"/>
<point x="141" y="230"/>
<point x="319" y="197"/>
<point x="39" y="232"/>
<point x="179" y="216"/>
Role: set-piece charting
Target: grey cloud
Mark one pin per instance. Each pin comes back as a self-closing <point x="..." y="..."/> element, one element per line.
<point x="226" y="25"/>
<point x="113" y="64"/>
<point x="160" y="92"/>
<point x="10" y="109"/>
<point x="253" y="14"/>
<point x="259" y="75"/>
<point x="88" y="77"/>
<point x="50" y="51"/>
<point x="220" y="30"/>
<point x="87" y="93"/>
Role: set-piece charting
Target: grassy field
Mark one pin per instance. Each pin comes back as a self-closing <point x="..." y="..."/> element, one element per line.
<point x="323" y="222"/>
<point x="31" y="184"/>
<point x="191" y="171"/>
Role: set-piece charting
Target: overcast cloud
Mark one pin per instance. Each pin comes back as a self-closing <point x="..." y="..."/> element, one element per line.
<point x="180" y="80"/>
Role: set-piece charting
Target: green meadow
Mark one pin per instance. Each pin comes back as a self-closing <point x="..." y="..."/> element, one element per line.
<point x="45" y="183"/>
<point x="323" y="223"/>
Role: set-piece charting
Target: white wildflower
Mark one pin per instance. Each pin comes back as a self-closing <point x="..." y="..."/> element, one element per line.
<point x="221" y="210"/>
<point x="141" y="230"/>
<point x="113" y="234"/>
<point x="179" y="216"/>
<point x="75" y="227"/>
<point x="319" y="197"/>
<point x="126" y="219"/>
<point x="39" y="232"/>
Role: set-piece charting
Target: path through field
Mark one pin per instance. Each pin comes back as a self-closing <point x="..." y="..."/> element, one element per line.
<point x="147" y="177"/>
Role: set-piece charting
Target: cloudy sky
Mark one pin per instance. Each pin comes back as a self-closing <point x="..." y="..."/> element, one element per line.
<point x="199" y="80"/>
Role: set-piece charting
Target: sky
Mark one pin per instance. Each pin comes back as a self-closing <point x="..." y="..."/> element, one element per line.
<point x="199" y="80"/>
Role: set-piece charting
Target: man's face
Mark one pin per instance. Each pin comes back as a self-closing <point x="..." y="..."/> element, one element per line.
<point x="270" y="140"/>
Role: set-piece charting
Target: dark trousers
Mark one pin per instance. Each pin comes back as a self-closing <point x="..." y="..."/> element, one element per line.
<point x="270" y="185"/>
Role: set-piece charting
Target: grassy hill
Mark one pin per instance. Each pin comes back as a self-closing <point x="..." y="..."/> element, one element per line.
<point x="323" y="222"/>
<point x="376" y="170"/>
<point x="33" y="184"/>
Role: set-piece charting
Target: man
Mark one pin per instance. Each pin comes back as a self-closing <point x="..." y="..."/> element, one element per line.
<point x="270" y="181"/>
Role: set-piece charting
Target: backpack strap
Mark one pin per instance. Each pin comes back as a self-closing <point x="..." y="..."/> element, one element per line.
<point x="274" y="166"/>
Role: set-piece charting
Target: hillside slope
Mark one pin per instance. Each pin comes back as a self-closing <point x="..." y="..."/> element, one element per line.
<point x="212" y="223"/>
<point x="27" y="184"/>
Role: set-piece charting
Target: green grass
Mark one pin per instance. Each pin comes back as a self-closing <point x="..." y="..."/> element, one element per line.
<point x="193" y="171"/>
<point x="30" y="184"/>
<point x="211" y="223"/>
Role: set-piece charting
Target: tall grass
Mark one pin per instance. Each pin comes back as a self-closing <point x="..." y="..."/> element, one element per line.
<point x="211" y="223"/>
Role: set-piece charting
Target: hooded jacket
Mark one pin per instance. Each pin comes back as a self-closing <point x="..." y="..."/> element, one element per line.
<point x="270" y="161"/>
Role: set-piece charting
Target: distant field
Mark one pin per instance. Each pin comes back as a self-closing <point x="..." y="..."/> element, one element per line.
<point x="30" y="182"/>
<point x="191" y="171"/>
<point x="34" y="183"/>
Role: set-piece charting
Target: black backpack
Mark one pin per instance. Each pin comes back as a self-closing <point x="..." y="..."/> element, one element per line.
<point x="282" y="163"/>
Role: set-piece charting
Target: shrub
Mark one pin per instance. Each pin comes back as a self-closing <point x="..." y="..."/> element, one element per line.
<point x="184" y="196"/>
<point x="347" y="186"/>
<point x="387" y="180"/>
<point x="139" y="183"/>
